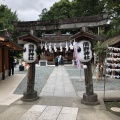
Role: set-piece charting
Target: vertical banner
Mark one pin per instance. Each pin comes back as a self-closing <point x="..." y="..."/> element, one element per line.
<point x="76" y="57"/>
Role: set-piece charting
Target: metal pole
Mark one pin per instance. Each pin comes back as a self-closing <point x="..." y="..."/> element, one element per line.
<point x="105" y="75"/>
<point x="104" y="87"/>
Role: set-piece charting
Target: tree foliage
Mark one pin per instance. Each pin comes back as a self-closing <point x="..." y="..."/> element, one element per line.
<point x="76" y="8"/>
<point x="6" y="16"/>
<point x="59" y="10"/>
<point x="88" y="7"/>
<point x="79" y="8"/>
<point x="112" y="7"/>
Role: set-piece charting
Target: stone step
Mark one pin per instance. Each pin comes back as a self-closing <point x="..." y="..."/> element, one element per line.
<point x="43" y="112"/>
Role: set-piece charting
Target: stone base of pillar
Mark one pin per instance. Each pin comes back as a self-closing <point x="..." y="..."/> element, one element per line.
<point x="30" y="96"/>
<point x="90" y="99"/>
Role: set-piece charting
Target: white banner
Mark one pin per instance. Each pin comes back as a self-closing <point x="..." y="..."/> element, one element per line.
<point x="76" y="57"/>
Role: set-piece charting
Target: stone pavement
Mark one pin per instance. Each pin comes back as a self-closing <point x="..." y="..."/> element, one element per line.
<point x="59" y="84"/>
<point x="59" y="99"/>
<point x="7" y="88"/>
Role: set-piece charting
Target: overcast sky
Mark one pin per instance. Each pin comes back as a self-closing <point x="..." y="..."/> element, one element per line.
<point x="28" y="10"/>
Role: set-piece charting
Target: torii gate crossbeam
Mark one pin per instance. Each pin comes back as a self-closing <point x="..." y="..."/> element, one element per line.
<point x="69" y="23"/>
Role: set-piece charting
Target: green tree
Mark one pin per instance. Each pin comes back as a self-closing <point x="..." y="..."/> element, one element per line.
<point x="88" y="7"/>
<point x="80" y="8"/>
<point x="6" y="16"/>
<point x="76" y="8"/>
<point x="59" y="10"/>
<point x="112" y="7"/>
<point x="43" y="15"/>
<point x="100" y="50"/>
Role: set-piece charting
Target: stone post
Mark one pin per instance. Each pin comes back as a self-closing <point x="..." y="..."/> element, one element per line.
<point x="89" y="98"/>
<point x="30" y="94"/>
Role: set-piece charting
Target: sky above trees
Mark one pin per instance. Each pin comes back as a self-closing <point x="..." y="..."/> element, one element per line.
<point x="28" y="10"/>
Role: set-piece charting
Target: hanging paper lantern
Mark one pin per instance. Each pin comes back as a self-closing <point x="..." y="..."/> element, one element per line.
<point x="29" y="54"/>
<point x="84" y="51"/>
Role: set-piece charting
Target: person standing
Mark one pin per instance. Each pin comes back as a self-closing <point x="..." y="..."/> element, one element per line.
<point x="56" y="61"/>
<point x="12" y="64"/>
<point x="61" y="61"/>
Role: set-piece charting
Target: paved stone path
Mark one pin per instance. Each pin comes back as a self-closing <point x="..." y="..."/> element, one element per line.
<point x="43" y="112"/>
<point x="59" y="84"/>
<point x="58" y="99"/>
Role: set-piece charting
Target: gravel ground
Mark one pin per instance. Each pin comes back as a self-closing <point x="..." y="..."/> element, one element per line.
<point x="111" y="84"/>
<point x="42" y="74"/>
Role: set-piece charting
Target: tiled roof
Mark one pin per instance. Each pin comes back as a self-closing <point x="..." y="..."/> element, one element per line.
<point x="29" y="38"/>
<point x="114" y="41"/>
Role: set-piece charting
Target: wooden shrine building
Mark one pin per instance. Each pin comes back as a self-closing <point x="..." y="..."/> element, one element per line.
<point x="7" y="47"/>
<point x="57" y="42"/>
<point x="52" y="45"/>
<point x="114" y="41"/>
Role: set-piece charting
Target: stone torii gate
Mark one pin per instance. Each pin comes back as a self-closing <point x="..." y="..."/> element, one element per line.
<point x="62" y="24"/>
<point x="59" y="25"/>
<point x="89" y="97"/>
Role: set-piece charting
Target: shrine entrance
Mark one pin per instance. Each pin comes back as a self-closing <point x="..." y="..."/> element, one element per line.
<point x="50" y="55"/>
<point x="51" y="45"/>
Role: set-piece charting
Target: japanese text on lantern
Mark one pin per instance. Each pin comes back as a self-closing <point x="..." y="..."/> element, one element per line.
<point x="31" y="52"/>
<point x="86" y="50"/>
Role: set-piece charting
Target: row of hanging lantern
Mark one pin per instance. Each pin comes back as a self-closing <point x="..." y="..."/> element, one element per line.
<point x="49" y="46"/>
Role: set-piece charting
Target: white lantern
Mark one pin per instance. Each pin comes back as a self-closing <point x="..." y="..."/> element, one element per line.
<point x="84" y="51"/>
<point x="29" y="54"/>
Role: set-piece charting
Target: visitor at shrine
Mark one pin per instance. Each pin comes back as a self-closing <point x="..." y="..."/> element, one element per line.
<point x="56" y="61"/>
<point x="61" y="60"/>
<point x="12" y="65"/>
